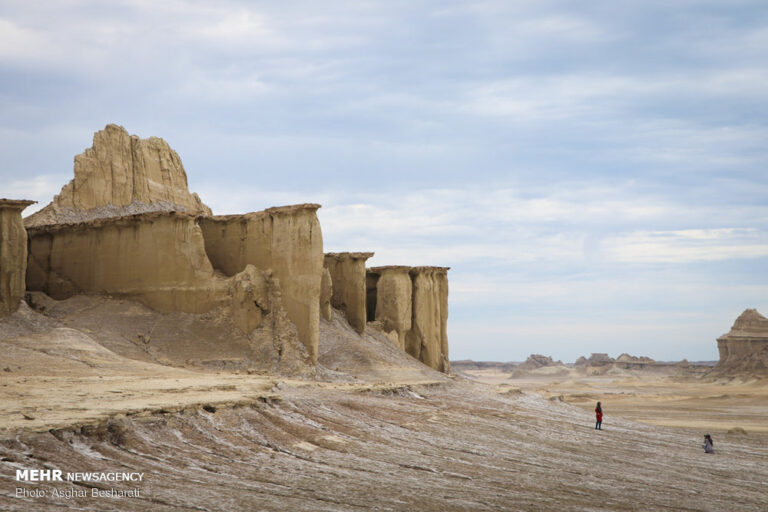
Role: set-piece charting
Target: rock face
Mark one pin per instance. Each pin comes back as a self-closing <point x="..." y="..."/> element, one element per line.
<point x="156" y="258"/>
<point x="389" y="299"/>
<point x="288" y="241"/>
<point x="13" y="255"/>
<point x="347" y="271"/>
<point x="413" y="303"/>
<point x="427" y="340"/>
<point x="326" y="291"/>
<point x="120" y="175"/>
<point x="744" y="349"/>
<point x="159" y="259"/>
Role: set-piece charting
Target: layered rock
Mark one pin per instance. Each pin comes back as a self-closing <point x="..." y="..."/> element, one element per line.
<point x="286" y="240"/>
<point x="13" y="255"/>
<point x="413" y="303"/>
<point x="121" y="175"/>
<point x="157" y="258"/>
<point x="348" y="275"/>
<point x="745" y="347"/>
<point x="389" y="299"/>
<point x="326" y="291"/>
<point x="427" y="340"/>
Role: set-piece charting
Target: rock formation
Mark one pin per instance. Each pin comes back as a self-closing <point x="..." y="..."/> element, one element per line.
<point x="536" y="361"/>
<point x="13" y="255"/>
<point x="127" y="226"/>
<point x="158" y="258"/>
<point x="120" y="175"/>
<point x="744" y="349"/>
<point x="389" y="294"/>
<point x="286" y="240"/>
<point x="427" y="340"/>
<point x="596" y="359"/>
<point x="347" y="271"/>
<point x="326" y="291"/>
<point x="413" y="303"/>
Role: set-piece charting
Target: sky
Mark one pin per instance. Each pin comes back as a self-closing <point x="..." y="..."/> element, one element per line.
<point x="594" y="173"/>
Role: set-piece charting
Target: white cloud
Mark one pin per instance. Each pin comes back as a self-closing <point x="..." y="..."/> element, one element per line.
<point x="683" y="246"/>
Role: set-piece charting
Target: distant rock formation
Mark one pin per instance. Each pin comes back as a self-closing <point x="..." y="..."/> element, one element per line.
<point x="413" y="303"/>
<point x="121" y="175"/>
<point x="535" y="361"/>
<point x="596" y="359"/>
<point x="744" y="349"/>
<point x="347" y="270"/>
<point x="13" y="255"/>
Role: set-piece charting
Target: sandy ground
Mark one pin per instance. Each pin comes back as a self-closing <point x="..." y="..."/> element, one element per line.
<point x="674" y="401"/>
<point x="372" y="430"/>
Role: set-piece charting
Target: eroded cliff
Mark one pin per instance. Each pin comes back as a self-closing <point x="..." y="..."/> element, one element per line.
<point x="412" y="302"/>
<point x="286" y="240"/>
<point x="744" y="349"/>
<point x="347" y="271"/>
<point x="13" y="254"/>
<point x="121" y="174"/>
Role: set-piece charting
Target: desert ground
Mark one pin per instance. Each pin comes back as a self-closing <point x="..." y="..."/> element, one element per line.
<point x="371" y="429"/>
<point x="685" y="401"/>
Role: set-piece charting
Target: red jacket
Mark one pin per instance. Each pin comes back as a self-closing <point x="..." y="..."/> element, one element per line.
<point x="598" y="414"/>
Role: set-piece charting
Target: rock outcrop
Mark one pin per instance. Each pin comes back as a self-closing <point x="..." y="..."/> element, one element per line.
<point x="536" y="361"/>
<point x="121" y="175"/>
<point x="596" y="359"/>
<point x="347" y="271"/>
<point x="744" y="349"/>
<point x="427" y="340"/>
<point x="413" y="303"/>
<point x="13" y="255"/>
<point x="389" y="299"/>
<point x="286" y="240"/>
<point x="157" y="258"/>
<point x="326" y="291"/>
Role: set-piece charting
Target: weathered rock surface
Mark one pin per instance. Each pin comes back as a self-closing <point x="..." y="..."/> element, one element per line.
<point x="13" y="255"/>
<point x="427" y="340"/>
<point x="326" y="291"/>
<point x="348" y="275"/>
<point x="390" y="292"/>
<point x="156" y="258"/>
<point x="286" y="240"/>
<point x="412" y="302"/>
<point x="120" y="175"/>
<point x="744" y="349"/>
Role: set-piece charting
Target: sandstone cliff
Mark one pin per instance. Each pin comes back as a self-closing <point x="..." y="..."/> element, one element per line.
<point x="744" y="349"/>
<point x="120" y="175"/>
<point x="389" y="299"/>
<point x="428" y="338"/>
<point x="347" y="271"/>
<point x="326" y="291"/>
<point x="413" y="303"/>
<point x="286" y="240"/>
<point x="13" y="255"/>
<point x="159" y="260"/>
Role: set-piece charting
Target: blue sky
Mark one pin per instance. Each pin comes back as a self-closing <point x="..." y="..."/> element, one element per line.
<point x="594" y="173"/>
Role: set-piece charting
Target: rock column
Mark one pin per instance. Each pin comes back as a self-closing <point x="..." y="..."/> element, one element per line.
<point x="13" y="255"/>
<point x="347" y="270"/>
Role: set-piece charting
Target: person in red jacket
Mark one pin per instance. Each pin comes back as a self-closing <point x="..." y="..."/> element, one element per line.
<point x="599" y="417"/>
